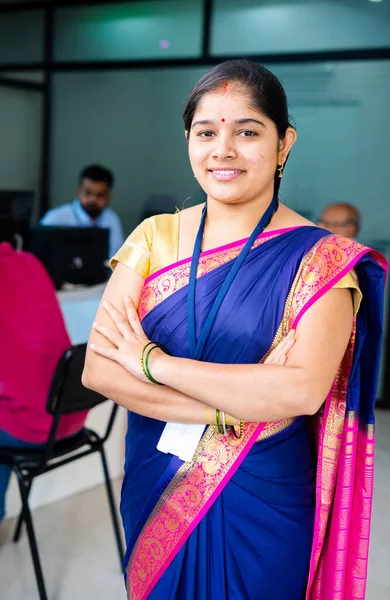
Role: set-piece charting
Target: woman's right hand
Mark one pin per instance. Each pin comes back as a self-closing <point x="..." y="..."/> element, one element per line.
<point x="279" y="354"/>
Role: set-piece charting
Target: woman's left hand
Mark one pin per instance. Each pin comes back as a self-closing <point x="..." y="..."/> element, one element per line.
<point x="128" y="339"/>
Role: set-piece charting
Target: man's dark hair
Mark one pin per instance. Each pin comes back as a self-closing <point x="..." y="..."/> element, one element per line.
<point x="97" y="173"/>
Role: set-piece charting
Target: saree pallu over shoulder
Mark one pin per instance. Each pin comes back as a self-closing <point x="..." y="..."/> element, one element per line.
<point x="344" y="428"/>
<point x="327" y="262"/>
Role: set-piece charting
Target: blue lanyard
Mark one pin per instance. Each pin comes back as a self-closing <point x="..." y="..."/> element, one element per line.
<point x="197" y="346"/>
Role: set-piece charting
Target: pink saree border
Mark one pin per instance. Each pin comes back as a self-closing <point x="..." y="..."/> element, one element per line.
<point x="134" y="594"/>
<point x="376" y="255"/>
<point x="216" y="460"/>
<point x="330" y="452"/>
<point x="342" y="569"/>
<point x="338" y="565"/>
<point x="359" y="535"/>
<point x="223" y="248"/>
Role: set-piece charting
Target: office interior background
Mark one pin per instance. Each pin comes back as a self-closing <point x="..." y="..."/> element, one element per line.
<point x="86" y="82"/>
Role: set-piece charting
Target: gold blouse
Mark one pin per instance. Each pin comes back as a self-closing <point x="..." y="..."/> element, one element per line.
<point x="154" y="244"/>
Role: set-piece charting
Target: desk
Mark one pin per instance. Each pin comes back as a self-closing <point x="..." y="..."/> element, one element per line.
<point x="79" y="308"/>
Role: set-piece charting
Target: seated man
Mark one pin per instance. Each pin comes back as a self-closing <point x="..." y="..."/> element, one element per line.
<point x="90" y="208"/>
<point x="32" y="339"/>
<point x="341" y="218"/>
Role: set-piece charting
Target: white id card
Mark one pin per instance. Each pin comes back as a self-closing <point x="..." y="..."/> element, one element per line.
<point x="180" y="439"/>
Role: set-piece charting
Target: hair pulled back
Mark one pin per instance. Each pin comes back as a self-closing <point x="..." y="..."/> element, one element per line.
<point x="266" y="93"/>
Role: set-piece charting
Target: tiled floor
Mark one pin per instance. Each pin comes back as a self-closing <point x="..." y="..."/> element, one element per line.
<point x="79" y="555"/>
<point x="78" y="552"/>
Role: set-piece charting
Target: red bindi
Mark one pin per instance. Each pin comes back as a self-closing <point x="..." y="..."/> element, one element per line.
<point x="223" y="120"/>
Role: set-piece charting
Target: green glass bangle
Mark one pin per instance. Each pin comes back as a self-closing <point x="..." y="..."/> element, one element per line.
<point x="148" y="373"/>
<point x="146" y="346"/>
<point x="143" y="357"/>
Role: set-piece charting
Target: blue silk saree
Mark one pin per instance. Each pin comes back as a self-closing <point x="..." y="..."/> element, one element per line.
<point x="254" y="517"/>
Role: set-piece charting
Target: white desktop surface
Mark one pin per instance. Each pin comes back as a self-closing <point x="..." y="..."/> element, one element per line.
<point x="79" y="308"/>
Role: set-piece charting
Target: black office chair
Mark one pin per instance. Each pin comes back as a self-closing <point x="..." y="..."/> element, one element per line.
<point x="67" y="395"/>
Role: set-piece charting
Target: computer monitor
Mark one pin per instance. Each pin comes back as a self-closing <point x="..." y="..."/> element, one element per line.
<point x="76" y="255"/>
<point x="15" y="216"/>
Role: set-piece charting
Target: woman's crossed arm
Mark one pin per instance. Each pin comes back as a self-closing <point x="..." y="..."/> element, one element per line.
<point x="193" y="389"/>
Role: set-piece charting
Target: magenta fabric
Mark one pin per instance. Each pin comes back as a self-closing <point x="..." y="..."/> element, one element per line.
<point x="32" y="339"/>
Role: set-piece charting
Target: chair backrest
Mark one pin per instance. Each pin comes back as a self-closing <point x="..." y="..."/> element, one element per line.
<point x="67" y="393"/>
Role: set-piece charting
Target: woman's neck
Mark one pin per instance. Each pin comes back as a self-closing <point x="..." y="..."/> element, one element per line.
<point x="236" y="220"/>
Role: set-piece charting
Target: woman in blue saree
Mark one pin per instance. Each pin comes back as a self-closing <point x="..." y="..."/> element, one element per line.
<point x="242" y="500"/>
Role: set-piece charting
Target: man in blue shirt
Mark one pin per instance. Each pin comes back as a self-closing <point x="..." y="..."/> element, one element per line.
<point x="90" y="208"/>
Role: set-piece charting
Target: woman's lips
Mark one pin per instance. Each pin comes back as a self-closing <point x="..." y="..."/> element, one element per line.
<point x="226" y="174"/>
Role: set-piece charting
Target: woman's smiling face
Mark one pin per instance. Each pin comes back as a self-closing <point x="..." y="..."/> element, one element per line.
<point x="234" y="149"/>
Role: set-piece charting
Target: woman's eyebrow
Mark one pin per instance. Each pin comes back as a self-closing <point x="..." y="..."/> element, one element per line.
<point x="249" y="120"/>
<point x="203" y="122"/>
<point x="237" y="122"/>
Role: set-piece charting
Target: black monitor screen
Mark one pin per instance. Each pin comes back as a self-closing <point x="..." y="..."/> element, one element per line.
<point x="74" y="255"/>
<point x="15" y="215"/>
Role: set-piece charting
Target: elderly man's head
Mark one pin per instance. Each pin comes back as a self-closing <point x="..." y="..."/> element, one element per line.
<point x="341" y="218"/>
